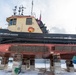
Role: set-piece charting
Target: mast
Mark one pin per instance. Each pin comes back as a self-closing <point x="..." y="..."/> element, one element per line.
<point x="40" y="16"/>
<point x="32" y="8"/>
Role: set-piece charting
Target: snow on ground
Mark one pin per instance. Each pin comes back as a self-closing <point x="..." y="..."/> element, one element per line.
<point x="72" y="73"/>
<point x="2" y="72"/>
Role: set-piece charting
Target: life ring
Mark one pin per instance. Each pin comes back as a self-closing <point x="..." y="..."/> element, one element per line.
<point x="31" y="29"/>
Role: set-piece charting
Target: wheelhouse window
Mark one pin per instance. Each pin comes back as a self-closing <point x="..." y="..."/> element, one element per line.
<point x="12" y="22"/>
<point x="28" y="21"/>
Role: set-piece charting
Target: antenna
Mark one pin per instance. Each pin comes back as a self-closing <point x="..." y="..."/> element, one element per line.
<point x="32" y="8"/>
<point x="40" y="16"/>
<point x="19" y="10"/>
<point x="22" y="9"/>
<point x="15" y="10"/>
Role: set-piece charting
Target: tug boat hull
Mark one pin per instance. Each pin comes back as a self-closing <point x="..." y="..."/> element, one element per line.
<point x="7" y="36"/>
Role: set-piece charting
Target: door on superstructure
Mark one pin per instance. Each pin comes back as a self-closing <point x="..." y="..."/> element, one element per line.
<point x="28" y="61"/>
<point x="27" y="64"/>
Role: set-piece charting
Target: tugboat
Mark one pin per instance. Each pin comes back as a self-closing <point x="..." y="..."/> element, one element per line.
<point x="27" y="42"/>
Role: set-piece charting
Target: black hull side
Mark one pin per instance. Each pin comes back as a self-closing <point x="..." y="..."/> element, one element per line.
<point x="7" y="36"/>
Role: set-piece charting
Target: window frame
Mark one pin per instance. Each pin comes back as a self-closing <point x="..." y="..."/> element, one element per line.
<point x="28" y="21"/>
<point x="12" y="21"/>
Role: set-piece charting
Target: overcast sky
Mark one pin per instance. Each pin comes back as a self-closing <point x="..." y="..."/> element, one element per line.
<point x="58" y="15"/>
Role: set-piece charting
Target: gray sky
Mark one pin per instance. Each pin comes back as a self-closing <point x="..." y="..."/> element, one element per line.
<point x="58" y="15"/>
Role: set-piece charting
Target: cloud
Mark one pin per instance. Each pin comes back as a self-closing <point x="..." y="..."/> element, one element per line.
<point x="57" y="30"/>
<point x="60" y="14"/>
<point x="5" y="11"/>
